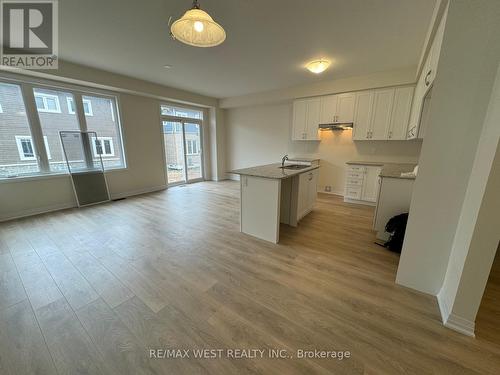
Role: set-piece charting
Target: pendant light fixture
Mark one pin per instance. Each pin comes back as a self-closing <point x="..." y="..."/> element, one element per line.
<point x="196" y="28"/>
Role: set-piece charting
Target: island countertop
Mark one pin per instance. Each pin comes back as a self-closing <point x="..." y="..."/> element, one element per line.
<point x="272" y="171"/>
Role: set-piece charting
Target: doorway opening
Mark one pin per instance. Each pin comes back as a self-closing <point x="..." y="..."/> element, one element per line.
<point x="183" y="140"/>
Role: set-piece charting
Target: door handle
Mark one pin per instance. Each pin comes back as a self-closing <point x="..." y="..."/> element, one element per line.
<point x="427" y="82"/>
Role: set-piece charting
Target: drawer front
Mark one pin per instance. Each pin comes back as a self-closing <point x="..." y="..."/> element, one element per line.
<point x="353" y="192"/>
<point x="356" y="168"/>
<point x="353" y="174"/>
<point x="355" y="181"/>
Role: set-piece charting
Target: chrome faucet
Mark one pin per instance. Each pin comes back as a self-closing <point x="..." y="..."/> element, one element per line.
<point x="283" y="159"/>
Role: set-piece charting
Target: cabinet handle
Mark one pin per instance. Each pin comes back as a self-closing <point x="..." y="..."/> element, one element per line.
<point x="390" y="134"/>
<point x="427" y="82"/>
<point x="310" y="176"/>
<point x="367" y="134"/>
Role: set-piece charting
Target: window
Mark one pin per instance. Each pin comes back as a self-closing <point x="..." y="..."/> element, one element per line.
<point x="26" y="149"/>
<point x="104" y="122"/>
<point x="103" y="146"/>
<point x="19" y="151"/>
<point x="14" y="122"/>
<point x="52" y="124"/>
<point x="87" y="106"/>
<point x="47" y="103"/>
<point x="192" y="147"/>
<point x="168" y="110"/>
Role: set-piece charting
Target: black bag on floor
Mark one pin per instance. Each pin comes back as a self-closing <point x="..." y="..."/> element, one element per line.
<point x="396" y="226"/>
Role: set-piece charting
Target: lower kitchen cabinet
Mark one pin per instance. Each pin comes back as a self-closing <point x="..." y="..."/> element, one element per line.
<point x="362" y="184"/>
<point x="308" y="188"/>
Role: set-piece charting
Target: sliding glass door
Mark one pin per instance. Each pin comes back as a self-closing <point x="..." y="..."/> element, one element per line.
<point x="183" y="152"/>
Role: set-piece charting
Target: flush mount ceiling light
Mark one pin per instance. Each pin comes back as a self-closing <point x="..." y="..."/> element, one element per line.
<point x="318" y="66"/>
<point x="196" y="28"/>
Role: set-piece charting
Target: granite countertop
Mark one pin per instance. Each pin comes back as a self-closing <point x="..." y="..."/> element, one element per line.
<point x="272" y="171"/>
<point x="391" y="170"/>
<point x="310" y="160"/>
<point x="360" y="162"/>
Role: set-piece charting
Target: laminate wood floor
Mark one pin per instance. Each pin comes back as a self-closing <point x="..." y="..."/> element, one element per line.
<point x="92" y="291"/>
<point x="488" y="316"/>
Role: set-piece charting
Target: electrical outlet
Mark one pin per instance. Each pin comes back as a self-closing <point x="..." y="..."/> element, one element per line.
<point x="328" y="188"/>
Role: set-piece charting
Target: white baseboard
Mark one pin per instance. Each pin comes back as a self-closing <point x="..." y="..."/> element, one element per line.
<point x="232" y="176"/>
<point x="64" y="206"/>
<point x="338" y="193"/>
<point x="366" y="203"/>
<point x="451" y="320"/>
<point x="461" y="325"/>
<point x="444" y="306"/>
<point x="137" y="192"/>
<point x="37" y="211"/>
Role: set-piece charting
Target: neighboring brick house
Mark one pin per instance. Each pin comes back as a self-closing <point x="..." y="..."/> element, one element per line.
<point x="56" y="112"/>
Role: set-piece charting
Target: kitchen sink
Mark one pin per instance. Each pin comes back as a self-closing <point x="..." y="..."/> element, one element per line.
<point x="295" y="166"/>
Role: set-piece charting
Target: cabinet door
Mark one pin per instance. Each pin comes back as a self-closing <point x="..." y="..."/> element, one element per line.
<point x="400" y="113"/>
<point x="435" y="50"/>
<point x="328" y="109"/>
<point x="345" y="107"/>
<point x="299" y="120"/>
<point x="416" y="108"/>
<point x="312" y="188"/>
<point x="362" y="115"/>
<point x="371" y="184"/>
<point x="312" y="121"/>
<point x="382" y="110"/>
<point x="303" y="195"/>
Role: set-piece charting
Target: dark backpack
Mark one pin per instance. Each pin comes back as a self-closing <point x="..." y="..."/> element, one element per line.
<point x="396" y="226"/>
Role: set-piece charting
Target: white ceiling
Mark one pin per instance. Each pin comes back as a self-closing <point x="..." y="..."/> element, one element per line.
<point x="268" y="41"/>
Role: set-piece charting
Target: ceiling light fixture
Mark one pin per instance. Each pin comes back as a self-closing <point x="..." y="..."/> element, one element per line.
<point x="318" y="66"/>
<point x="196" y="28"/>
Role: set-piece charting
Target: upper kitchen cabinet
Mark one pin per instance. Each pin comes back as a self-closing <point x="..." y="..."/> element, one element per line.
<point x="400" y="113"/>
<point x="383" y="101"/>
<point x="306" y="113"/>
<point x="362" y="115"/>
<point x="425" y="80"/>
<point x="382" y="114"/>
<point x="337" y="108"/>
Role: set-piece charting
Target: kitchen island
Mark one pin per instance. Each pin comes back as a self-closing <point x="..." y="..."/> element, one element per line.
<point x="272" y="194"/>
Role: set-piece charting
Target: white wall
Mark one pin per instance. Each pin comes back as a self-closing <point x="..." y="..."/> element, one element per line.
<point x="140" y="120"/>
<point x="262" y="134"/>
<point x="477" y="235"/>
<point x="467" y="68"/>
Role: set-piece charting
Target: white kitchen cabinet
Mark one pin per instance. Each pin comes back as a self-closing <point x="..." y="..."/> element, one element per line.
<point x="337" y="108"/>
<point x="362" y="184"/>
<point x="425" y="81"/>
<point x="307" y="192"/>
<point x="305" y="119"/>
<point x="362" y="115"/>
<point x="345" y="107"/>
<point x="328" y="109"/>
<point x="381" y="116"/>
<point x="312" y="120"/>
<point x="400" y="113"/>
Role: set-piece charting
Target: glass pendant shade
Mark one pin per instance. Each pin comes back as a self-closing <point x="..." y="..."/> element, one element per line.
<point x="198" y="29"/>
<point x="318" y="66"/>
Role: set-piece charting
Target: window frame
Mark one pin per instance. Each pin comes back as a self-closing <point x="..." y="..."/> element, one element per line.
<point x="20" y="150"/>
<point x="27" y="86"/>
<point x="70" y="102"/>
<point x="44" y="99"/>
<point x="102" y="139"/>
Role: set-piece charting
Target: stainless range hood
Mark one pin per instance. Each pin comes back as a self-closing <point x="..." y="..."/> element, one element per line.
<point x="336" y="126"/>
